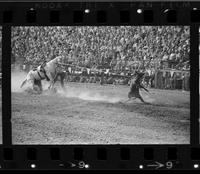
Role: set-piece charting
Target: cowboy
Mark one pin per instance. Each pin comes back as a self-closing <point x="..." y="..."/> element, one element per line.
<point x="135" y="85"/>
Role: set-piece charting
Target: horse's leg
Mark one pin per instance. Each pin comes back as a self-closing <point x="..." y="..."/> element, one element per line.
<point x="50" y="85"/>
<point x="52" y="81"/>
<point x="40" y="85"/>
<point x="62" y="83"/>
<point x="37" y="85"/>
<point x="23" y="83"/>
<point x="34" y="84"/>
<point x="62" y="77"/>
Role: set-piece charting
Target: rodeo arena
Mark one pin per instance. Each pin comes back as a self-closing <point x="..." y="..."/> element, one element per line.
<point x="100" y="85"/>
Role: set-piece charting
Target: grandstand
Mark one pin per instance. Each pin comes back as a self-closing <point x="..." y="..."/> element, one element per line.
<point x="121" y="49"/>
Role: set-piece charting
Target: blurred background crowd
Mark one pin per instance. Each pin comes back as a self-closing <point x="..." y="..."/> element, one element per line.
<point x="118" y="49"/>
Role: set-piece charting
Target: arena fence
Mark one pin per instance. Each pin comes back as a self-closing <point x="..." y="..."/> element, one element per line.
<point x="172" y="79"/>
<point x="163" y="79"/>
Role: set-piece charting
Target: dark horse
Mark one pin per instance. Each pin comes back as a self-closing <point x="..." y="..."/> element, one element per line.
<point x="135" y="86"/>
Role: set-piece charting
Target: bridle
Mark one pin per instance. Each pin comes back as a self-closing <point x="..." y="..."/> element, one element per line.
<point x="42" y="70"/>
<point x="39" y="74"/>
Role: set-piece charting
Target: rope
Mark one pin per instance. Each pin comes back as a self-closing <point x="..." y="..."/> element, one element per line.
<point x="114" y="74"/>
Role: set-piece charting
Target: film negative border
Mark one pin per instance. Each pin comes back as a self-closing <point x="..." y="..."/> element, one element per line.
<point x="99" y="13"/>
<point x="101" y="156"/>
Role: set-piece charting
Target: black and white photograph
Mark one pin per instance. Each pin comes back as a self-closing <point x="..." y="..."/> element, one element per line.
<point x="0" y="85"/>
<point x="199" y="84"/>
<point x="100" y="85"/>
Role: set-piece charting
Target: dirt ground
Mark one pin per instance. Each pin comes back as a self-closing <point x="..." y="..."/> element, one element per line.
<point x="94" y="114"/>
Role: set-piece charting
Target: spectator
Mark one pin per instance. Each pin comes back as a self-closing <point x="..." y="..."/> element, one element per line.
<point x="89" y="45"/>
<point x="115" y="47"/>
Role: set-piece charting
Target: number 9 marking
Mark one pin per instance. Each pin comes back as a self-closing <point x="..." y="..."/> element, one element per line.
<point x="169" y="165"/>
<point x="81" y="164"/>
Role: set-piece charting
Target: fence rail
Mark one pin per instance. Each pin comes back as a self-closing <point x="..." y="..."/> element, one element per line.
<point x="172" y="79"/>
<point x="161" y="79"/>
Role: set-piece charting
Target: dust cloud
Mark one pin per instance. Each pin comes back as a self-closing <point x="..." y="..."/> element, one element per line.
<point x="17" y="77"/>
<point x="89" y="95"/>
<point x="148" y="99"/>
<point x="92" y="95"/>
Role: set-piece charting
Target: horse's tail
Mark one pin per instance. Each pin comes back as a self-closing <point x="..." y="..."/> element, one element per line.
<point x="23" y="83"/>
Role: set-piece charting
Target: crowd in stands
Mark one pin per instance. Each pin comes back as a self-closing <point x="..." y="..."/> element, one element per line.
<point x="121" y="49"/>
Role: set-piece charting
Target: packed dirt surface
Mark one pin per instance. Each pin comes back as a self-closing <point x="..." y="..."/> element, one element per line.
<point x="94" y="114"/>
